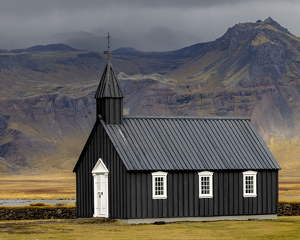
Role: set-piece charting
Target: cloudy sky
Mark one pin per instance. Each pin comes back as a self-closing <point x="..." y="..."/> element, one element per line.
<point x="151" y="25"/>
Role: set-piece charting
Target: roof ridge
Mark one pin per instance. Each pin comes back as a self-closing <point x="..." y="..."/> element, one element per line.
<point x="187" y="117"/>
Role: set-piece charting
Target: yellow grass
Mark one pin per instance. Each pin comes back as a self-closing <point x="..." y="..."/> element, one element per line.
<point x="289" y="189"/>
<point x="287" y="154"/>
<point x="283" y="228"/>
<point x="44" y="186"/>
<point x="260" y="39"/>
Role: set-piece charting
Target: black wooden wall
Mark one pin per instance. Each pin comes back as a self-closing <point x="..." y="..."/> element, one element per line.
<point x="183" y="196"/>
<point x="111" y="109"/>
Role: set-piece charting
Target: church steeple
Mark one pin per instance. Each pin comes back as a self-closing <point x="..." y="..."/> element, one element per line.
<point x="109" y="96"/>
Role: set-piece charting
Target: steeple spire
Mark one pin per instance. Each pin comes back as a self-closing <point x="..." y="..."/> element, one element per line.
<point x="109" y="96"/>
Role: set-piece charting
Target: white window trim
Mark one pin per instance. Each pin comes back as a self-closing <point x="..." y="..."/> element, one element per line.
<point x="249" y="173"/>
<point x="159" y="174"/>
<point x="210" y="175"/>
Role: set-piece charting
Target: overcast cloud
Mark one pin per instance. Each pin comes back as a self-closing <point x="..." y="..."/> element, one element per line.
<point x="156" y="25"/>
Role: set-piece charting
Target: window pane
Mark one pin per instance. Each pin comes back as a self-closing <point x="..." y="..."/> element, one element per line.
<point x="205" y="189"/>
<point x="159" y="185"/>
<point x="249" y="184"/>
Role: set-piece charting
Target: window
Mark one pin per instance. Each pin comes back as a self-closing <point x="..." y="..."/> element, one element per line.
<point x="205" y="184"/>
<point x="159" y="185"/>
<point x="249" y="184"/>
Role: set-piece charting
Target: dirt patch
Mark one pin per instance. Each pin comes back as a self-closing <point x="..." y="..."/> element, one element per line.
<point x="26" y="223"/>
<point x="98" y="221"/>
<point x="46" y="191"/>
<point x="289" y="182"/>
<point x="19" y="230"/>
<point x="284" y="189"/>
<point x="28" y="180"/>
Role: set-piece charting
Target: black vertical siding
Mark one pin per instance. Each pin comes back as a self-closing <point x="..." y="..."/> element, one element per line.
<point x="111" y="110"/>
<point x="117" y="187"/>
<point x="101" y="147"/>
<point x="183" y="195"/>
<point x="194" y="193"/>
<point x="230" y="193"/>
<point x="221" y="194"/>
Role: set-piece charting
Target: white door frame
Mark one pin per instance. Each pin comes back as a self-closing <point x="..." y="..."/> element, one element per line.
<point x="100" y="175"/>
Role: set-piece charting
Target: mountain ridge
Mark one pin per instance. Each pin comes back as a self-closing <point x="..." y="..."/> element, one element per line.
<point x="252" y="70"/>
<point x="44" y="48"/>
<point x="183" y="53"/>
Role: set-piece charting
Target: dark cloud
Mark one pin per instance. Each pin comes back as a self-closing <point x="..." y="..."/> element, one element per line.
<point x="24" y="7"/>
<point x="154" y="25"/>
<point x="154" y="39"/>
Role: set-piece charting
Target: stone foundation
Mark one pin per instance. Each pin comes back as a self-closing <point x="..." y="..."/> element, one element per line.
<point x="33" y="213"/>
<point x="289" y="209"/>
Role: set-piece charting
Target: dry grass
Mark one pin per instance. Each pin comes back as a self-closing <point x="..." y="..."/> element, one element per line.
<point x="287" y="154"/>
<point x="289" y="189"/>
<point x="283" y="228"/>
<point x="44" y="186"/>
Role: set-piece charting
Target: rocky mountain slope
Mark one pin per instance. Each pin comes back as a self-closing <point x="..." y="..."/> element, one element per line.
<point x="252" y="70"/>
<point x="58" y="68"/>
<point x="47" y="107"/>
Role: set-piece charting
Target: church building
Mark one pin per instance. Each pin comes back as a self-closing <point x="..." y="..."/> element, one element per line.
<point x="143" y="169"/>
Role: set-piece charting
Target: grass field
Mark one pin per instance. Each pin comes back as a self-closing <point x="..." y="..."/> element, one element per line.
<point x="289" y="189"/>
<point x="44" y="186"/>
<point x="287" y="154"/>
<point x="283" y="228"/>
<point x="54" y="186"/>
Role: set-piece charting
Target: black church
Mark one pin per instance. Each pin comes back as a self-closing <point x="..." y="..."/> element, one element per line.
<point x="142" y="169"/>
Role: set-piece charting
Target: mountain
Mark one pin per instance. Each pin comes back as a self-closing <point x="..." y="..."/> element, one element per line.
<point x="47" y="106"/>
<point x="184" y="53"/>
<point x="260" y="62"/>
<point x="43" y="132"/>
<point x="252" y="70"/>
<point x="46" y="48"/>
<point x="58" y="68"/>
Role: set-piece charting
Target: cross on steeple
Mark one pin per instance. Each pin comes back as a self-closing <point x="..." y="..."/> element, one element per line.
<point x="108" y="39"/>
<point x="107" y="52"/>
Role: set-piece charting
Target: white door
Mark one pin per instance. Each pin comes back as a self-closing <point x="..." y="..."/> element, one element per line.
<point x="101" y="195"/>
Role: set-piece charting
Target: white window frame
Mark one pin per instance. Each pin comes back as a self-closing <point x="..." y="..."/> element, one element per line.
<point x="210" y="176"/>
<point x="249" y="174"/>
<point x="164" y="176"/>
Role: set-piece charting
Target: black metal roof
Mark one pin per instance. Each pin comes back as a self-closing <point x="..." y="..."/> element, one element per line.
<point x="190" y="143"/>
<point x="109" y="85"/>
